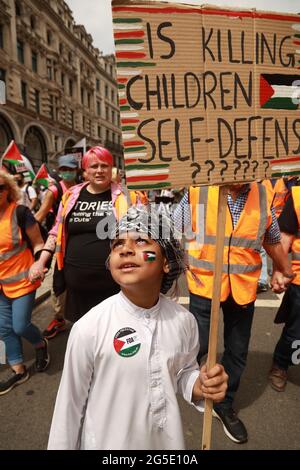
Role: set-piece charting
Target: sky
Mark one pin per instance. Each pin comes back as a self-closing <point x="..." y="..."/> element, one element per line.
<point x="95" y="15"/>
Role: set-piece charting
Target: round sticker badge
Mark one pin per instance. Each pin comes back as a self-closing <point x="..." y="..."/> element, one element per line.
<point x="126" y="342"/>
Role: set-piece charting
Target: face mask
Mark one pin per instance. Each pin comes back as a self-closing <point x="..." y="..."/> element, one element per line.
<point x="67" y="175"/>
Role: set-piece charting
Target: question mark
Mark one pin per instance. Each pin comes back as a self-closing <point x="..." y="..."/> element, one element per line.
<point x="195" y="172"/>
<point x="212" y="166"/>
<point x="237" y="168"/>
<point x="266" y="166"/>
<point x="246" y="167"/>
<point x="223" y="169"/>
<point x="254" y="167"/>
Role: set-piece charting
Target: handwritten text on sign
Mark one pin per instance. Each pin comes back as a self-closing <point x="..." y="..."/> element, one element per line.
<point x="207" y="96"/>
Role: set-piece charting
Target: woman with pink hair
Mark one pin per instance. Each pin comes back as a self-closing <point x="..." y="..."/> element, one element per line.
<point x="80" y="236"/>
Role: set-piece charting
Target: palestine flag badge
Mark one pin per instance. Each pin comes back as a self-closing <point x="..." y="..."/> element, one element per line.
<point x="126" y="342"/>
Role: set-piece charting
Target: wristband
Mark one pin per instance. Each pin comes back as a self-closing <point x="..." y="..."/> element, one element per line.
<point x="37" y="255"/>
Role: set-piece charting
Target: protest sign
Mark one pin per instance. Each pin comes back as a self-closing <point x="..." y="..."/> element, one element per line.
<point x="207" y="95"/>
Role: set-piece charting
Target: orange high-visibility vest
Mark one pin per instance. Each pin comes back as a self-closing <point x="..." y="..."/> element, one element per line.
<point x="123" y="201"/>
<point x="15" y="257"/>
<point x="281" y="195"/>
<point x="241" y="258"/>
<point x="296" y="242"/>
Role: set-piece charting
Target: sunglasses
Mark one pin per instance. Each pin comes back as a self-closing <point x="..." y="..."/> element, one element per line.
<point x="3" y="187"/>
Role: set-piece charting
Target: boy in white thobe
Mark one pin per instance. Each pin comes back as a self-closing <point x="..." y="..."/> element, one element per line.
<point x="128" y="357"/>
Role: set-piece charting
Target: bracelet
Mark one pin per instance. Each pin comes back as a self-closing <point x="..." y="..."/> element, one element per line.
<point x="49" y="251"/>
<point x="37" y="255"/>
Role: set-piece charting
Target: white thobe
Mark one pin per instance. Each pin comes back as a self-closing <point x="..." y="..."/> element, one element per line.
<point x="123" y="367"/>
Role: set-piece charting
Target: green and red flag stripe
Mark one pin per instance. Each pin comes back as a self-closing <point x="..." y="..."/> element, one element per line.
<point x="278" y="91"/>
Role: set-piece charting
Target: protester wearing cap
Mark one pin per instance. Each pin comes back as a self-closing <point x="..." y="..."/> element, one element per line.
<point x="67" y="172"/>
<point x="80" y="234"/>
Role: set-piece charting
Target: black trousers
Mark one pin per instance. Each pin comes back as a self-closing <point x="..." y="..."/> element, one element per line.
<point x="237" y="331"/>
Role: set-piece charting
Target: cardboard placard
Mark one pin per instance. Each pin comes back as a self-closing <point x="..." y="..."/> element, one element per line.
<point x="207" y="95"/>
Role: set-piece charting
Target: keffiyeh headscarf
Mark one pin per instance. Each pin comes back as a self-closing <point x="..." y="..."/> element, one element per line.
<point x="158" y="227"/>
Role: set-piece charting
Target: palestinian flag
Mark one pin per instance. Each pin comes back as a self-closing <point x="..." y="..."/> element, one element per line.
<point x="13" y="156"/>
<point x="126" y="342"/>
<point x="285" y="167"/>
<point x="280" y="91"/>
<point x="42" y="176"/>
<point x="149" y="256"/>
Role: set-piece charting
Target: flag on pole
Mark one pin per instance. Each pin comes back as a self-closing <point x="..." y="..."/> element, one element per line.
<point x="81" y="144"/>
<point x="13" y="156"/>
<point x="42" y="177"/>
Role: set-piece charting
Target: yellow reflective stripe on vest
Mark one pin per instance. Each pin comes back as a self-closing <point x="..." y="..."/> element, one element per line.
<point x="17" y="277"/>
<point x="239" y="241"/>
<point x="226" y="268"/>
<point x="15" y="237"/>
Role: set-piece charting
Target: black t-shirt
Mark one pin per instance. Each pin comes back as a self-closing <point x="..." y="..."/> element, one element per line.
<point x="288" y="221"/>
<point x="84" y="248"/>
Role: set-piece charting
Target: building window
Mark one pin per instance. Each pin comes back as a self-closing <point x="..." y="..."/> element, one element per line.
<point x="113" y="117"/>
<point x="89" y="100"/>
<point x="51" y="107"/>
<point x="61" y="48"/>
<point x="56" y="143"/>
<point x="34" y="62"/>
<point x="24" y="94"/>
<point x="18" y="8"/>
<point x="2" y="74"/>
<point x="112" y="96"/>
<point x="32" y="22"/>
<point x="70" y="57"/>
<point x="99" y="131"/>
<point x="62" y="80"/>
<point x="1" y="37"/>
<point x="20" y="51"/>
<point x="72" y="118"/>
<point x="106" y="91"/>
<point x="97" y="84"/>
<point x="107" y="134"/>
<point x="83" y="122"/>
<point x="98" y="108"/>
<point x="82" y="95"/>
<point x="49" y="37"/>
<point x="111" y="70"/>
<point x="49" y="69"/>
<point x="71" y="87"/>
<point x="107" y="113"/>
<point x="37" y="101"/>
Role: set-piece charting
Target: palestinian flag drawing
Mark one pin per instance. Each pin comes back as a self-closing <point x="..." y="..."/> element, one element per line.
<point x="42" y="176"/>
<point x="285" y="166"/>
<point x="126" y="342"/>
<point x="280" y="91"/>
<point x="149" y="256"/>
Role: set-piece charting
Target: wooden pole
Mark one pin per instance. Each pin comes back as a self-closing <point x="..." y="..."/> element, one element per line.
<point x="215" y="309"/>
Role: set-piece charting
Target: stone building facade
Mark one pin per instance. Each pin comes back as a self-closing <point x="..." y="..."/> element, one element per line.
<point x="59" y="87"/>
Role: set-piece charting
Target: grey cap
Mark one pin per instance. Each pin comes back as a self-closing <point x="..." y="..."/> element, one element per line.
<point x="69" y="161"/>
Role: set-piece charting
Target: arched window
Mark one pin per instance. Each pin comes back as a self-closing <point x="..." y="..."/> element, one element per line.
<point x="6" y="134"/>
<point x="35" y="146"/>
<point x="32" y="22"/>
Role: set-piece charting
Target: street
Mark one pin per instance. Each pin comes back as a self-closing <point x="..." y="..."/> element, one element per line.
<point x="271" y="418"/>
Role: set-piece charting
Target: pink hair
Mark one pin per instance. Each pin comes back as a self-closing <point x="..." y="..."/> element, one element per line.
<point x="99" y="153"/>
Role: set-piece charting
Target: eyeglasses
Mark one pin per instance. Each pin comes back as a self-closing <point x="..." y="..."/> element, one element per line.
<point x="3" y="187"/>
